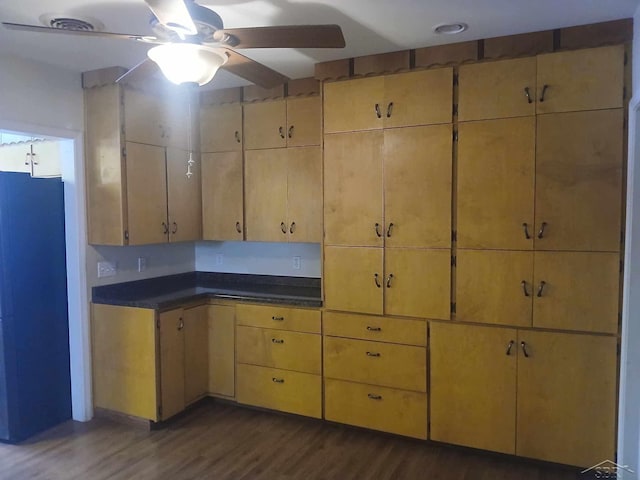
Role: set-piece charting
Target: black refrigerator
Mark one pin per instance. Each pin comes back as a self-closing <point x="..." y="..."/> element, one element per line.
<point x="35" y="384"/>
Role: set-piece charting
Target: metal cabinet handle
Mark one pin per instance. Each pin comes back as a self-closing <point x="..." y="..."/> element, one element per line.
<point x="290" y="132"/>
<point x="373" y="354"/>
<point x="277" y="380"/>
<point x="375" y="279"/>
<point x="277" y="319"/>
<point x="175" y="228"/>
<point x="238" y="227"/>
<point x="525" y="227"/>
<point x="524" y="288"/>
<point x="511" y="342"/>
<point x="541" y="231"/>
<point x="237" y="135"/>
<point x="377" y="227"/>
<point x="523" y="344"/>
<point x="544" y="90"/>
<point x="292" y="228"/>
<point x="165" y="228"/>
<point x="374" y="329"/>
<point x="389" y="229"/>
<point x="389" y="280"/>
<point x="281" y="131"/>
<point x="378" y="113"/>
<point x="527" y="93"/>
<point x="372" y="396"/>
<point x="277" y="340"/>
<point x="283" y="227"/>
<point x="181" y="324"/>
<point x="389" y="109"/>
<point x="541" y="288"/>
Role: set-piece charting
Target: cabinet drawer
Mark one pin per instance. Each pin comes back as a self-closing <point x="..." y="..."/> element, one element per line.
<point x="376" y="363"/>
<point x="292" y="392"/>
<point x="281" y="318"/>
<point x="279" y="349"/>
<point x="369" y="327"/>
<point x="369" y="406"/>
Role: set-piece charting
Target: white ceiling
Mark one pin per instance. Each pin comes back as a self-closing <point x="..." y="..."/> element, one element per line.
<point x="369" y="26"/>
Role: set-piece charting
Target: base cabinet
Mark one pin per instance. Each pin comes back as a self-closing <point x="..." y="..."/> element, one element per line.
<point x="222" y="361"/>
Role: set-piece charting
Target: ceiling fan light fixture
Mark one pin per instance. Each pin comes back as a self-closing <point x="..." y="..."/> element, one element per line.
<point x="188" y="62"/>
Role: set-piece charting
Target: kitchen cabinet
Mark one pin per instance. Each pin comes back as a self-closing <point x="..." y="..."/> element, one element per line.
<point x="196" y="353"/>
<point x="283" y="194"/>
<point x="293" y="122"/>
<point x="505" y="390"/>
<point x="222" y="350"/>
<point x="399" y="100"/>
<point x="221" y="128"/>
<point x="222" y="196"/>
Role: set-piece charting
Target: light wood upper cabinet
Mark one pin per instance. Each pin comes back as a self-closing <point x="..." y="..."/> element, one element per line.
<point x="417" y="186"/>
<point x="496" y="165"/>
<point x="566" y="385"/>
<point x="473" y="386"/>
<point x="577" y="291"/>
<point x="184" y="197"/>
<point x="222" y="341"/>
<point x="283" y="201"/>
<point x="172" y="362"/>
<point x="589" y="79"/>
<point x="221" y="128"/>
<point x="222" y="196"/>
<point x="494" y="286"/>
<point x="304" y="121"/>
<point x="196" y="353"/>
<point x="265" y="125"/>
<point x="400" y="100"/>
<point x="579" y="181"/>
<point x="506" y="88"/>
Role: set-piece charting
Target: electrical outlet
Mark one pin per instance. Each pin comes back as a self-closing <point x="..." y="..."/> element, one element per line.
<point x="142" y="264"/>
<point x="106" y="269"/>
<point x="296" y="263"/>
<point x="219" y="259"/>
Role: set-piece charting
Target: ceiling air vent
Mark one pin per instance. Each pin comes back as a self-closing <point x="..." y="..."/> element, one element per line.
<point x="65" y="22"/>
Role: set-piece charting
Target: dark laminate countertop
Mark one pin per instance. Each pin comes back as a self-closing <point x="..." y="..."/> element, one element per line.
<point x="162" y="293"/>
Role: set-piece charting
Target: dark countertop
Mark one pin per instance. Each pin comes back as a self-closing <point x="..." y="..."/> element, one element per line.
<point x="162" y="293"/>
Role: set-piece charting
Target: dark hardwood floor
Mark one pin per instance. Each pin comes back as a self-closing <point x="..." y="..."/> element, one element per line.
<point x="221" y="441"/>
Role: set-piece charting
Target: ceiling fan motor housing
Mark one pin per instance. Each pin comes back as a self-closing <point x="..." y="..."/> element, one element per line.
<point x="206" y="20"/>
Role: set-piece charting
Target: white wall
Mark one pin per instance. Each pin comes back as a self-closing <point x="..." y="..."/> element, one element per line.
<point x="259" y="258"/>
<point x="629" y="408"/>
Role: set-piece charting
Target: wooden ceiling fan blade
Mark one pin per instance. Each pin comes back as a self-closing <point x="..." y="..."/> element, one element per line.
<point x="174" y="15"/>
<point x="86" y="33"/>
<point x="290" y="36"/>
<point x="140" y="72"/>
<point x="253" y="71"/>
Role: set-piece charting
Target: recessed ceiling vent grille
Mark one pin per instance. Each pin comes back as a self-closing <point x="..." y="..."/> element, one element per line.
<point x="65" y="22"/>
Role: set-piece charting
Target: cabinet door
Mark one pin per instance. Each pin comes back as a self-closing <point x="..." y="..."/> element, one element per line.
<point x="417" y="282"/>
<point x="172" y="363"/>
<point x="417" y="186"/>
<point x="265" y="125"/>
<point x="579" y="181"/>
<point x="589" y="79"/>
<point x="304" y="194"/>
<point x="178" y="122"/>
<point x="353" y="189"/>
<point x="266" y="195"/>
<point x="142" y="118"/>
<point x="496" y="164"/>
<point x="494" y="286"/>
<point x="304" y="120"/>
<point x="222" y="341"/>
<point x="577" y="291"/>
<point x="418" y="98"/>
<point x="351" y="105"/>
<point x="221" y="128"/>
<point x="222" y="196"/>
<point x="497" y="89"/>
<point x="184" y="197"/>
<point x="566" y="402"/>
<point x="473" y="386"/>
<point x="146" y="194"/>
<point x="353" y="279"/>
<point x="196" y="353"/>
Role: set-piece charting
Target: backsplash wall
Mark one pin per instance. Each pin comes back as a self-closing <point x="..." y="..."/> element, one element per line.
<point x="261" y="258"/>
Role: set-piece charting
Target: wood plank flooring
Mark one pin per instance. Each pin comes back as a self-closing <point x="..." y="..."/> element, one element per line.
<point x="221" y="441"/>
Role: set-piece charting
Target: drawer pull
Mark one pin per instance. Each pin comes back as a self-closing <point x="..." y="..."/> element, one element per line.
<point x="541" y="288"/>
<point x="374" y="397"/>
<point x="373" y="354"/>
<point x="377" y="109"/>
<point x="377" y="228"/>
<point x="277" y="380"/>
<point x="277" y="340"/>
<point x="509" y="347"/>
<point x="375" y="279"/>
<point x="524" y="288"/>
<point x="374" y="329"/>
<point x="544" y="90"/>
<point x="277" y="319"/>
<point x="523" y="344"/>
<point x="542" y="227"/>
<point x="527" y="92"/>
<point x="527" y="235"/>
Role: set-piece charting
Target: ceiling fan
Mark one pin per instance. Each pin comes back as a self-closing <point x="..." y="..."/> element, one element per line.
<point x="192" y="43"/>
